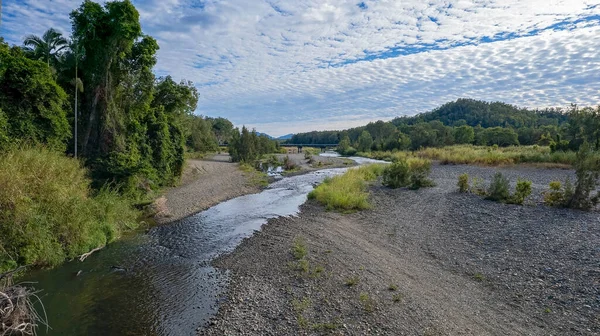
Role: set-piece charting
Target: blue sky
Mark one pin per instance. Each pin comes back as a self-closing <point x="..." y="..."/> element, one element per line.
<point x="299" y="65"/>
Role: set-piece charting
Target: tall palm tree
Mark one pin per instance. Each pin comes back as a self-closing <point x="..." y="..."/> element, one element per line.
<point x="46" y="47"/>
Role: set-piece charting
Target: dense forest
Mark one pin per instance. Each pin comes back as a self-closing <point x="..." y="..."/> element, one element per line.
<point x="88" y="133"/>
<point x="468" y="121"/>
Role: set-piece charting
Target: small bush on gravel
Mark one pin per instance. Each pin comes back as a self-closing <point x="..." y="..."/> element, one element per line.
<point x="353" y="281"/>
<point x="367" y="302"/>
<point x="498" y="190"/>
<point x="463" y="183"/>
<point x="587" y="170"/>
<point x="558" y="195"/>
<point x="412" y="173"/>
<point x="299" y="248"/>
<point x="419" y="173"/>
<point x="396" y="175"/>
<point x="522" y="191"/>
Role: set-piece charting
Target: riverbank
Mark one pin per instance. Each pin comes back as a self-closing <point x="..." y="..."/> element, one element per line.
<point x="204" y="183"/>
<point x="316" y="162"/>
<point x="426" y="262"/>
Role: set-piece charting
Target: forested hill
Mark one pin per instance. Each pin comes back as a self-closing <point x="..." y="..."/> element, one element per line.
<point x="485" y="114"/>
<point x="464" y="121"/>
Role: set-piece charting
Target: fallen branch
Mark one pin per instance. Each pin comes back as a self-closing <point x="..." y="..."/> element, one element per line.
<point x="85" y="255"/>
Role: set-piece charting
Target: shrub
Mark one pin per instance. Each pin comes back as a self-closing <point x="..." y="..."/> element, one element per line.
<point x="49" y="212"/>
<point x="557" y="196"/>
<point x="522" y="191"/>
<point x="419" y="173"/>
<point x="288" y="164"/>
<point x="397" y="174"/>
<point x="412" y="173"/>
<point x="587" y="170"/>
<point x="498" y="190"/>
<point x="463" y="183"/>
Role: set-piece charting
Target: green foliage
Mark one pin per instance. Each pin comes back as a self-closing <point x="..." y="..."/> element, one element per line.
<point x="558" y="195"/>
<point x="49" y="212"/>
<point x="499" y="136"/>
<point x="347" y="192"/>
<point x="498" y="190"/>
<point x="397" y="174"/>
<point x="411" y="172"/>
<point x="367" y="302"/>
<point x="46" y="48"/>
<point x="464" y="134"/>
<point x="463" y="183"/>
<point x="522" y="191"/>
<point x="419" y="173"/>
<point x="249" y="146"/>
<point x="587" y="169"/>
<point x="31" y="100"/>
<point x="299" y="249"/>
<point x="365" y="141"/>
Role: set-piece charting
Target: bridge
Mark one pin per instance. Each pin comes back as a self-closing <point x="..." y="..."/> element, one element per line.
<point x="323" y="147"/>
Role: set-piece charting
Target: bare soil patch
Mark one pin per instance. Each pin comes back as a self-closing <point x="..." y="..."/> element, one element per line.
<point x="426" y="262"/>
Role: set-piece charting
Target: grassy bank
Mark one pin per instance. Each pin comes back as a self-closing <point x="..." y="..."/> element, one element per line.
<point x="50" y="213"/>
<point x="347" y="192"/>
<point x="484" y="155"/>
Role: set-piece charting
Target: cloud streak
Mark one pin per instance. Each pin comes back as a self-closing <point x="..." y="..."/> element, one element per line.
<point x="288" y="66"/>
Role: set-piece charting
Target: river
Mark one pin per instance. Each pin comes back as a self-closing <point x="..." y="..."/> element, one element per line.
<point x="160" y="282"/>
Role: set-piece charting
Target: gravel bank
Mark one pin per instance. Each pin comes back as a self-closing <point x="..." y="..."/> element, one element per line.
<point x="459" y="265"/>
<point x="205" y="183"/>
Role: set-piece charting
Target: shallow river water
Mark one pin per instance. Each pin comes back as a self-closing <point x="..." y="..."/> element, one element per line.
<point x="161" y="282"/>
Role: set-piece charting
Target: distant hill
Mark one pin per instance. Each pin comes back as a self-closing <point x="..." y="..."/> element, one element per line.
<point x="438" y="127"/>
<point x="485" y="114"/>
<point x="265" y="134"/>
<point x="286" y="137"/>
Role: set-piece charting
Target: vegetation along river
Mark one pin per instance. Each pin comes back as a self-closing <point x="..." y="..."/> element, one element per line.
<point x="161" y="282"/>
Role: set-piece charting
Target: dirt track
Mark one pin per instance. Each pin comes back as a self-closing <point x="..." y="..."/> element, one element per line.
<point x="205" y="183"/>
<point x="462" y="266"/>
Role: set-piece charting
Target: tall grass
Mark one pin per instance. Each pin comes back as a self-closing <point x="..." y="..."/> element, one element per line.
<point x="48" y="211"/>
<point x="492" y="156"/>
<point x="347" y="192"/>
<point x="484" y="155"/>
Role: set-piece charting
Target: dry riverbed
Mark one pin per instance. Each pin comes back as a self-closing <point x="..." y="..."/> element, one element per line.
<point x="205" y="183"/>
<point x="426" y="262"/>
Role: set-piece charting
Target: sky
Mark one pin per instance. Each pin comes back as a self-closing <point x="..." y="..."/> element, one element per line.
<point x="287" y="66"/>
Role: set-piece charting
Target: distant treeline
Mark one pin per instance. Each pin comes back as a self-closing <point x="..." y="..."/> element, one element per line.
<point x="468" y="121"/>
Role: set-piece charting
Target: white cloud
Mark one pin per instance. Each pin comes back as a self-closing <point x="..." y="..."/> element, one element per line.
<point x="268" y="63"/>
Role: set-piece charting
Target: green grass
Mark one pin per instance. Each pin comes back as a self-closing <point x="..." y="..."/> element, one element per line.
<point x="393" y="287"/>
<point x="397" y="297"/>
<point x="50" y="213"/>
<point x="367" y="302"/>
<point x="257" y="178"/>
<point x="347" y="192"/>
<point x="350" y="282"/>
<point x="484" y="155"/>
<point x="299" y="249"/>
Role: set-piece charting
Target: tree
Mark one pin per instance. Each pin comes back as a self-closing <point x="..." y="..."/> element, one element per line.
<point x="344" y="144"/>
<point x="464" y="134"/>
<point x="365" y="141"/>
<point x="47" y="47"/>
<point x="499" y="136"/>
<point x="31" y="101"/>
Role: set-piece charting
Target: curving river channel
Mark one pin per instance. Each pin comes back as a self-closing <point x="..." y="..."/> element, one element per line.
<point x="161" y="282"/>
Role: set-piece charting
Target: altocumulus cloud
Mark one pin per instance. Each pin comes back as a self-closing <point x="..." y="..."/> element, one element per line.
<point x="298" y="65"/>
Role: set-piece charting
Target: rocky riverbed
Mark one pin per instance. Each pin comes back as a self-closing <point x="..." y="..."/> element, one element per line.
<point x="426" y="262"/>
